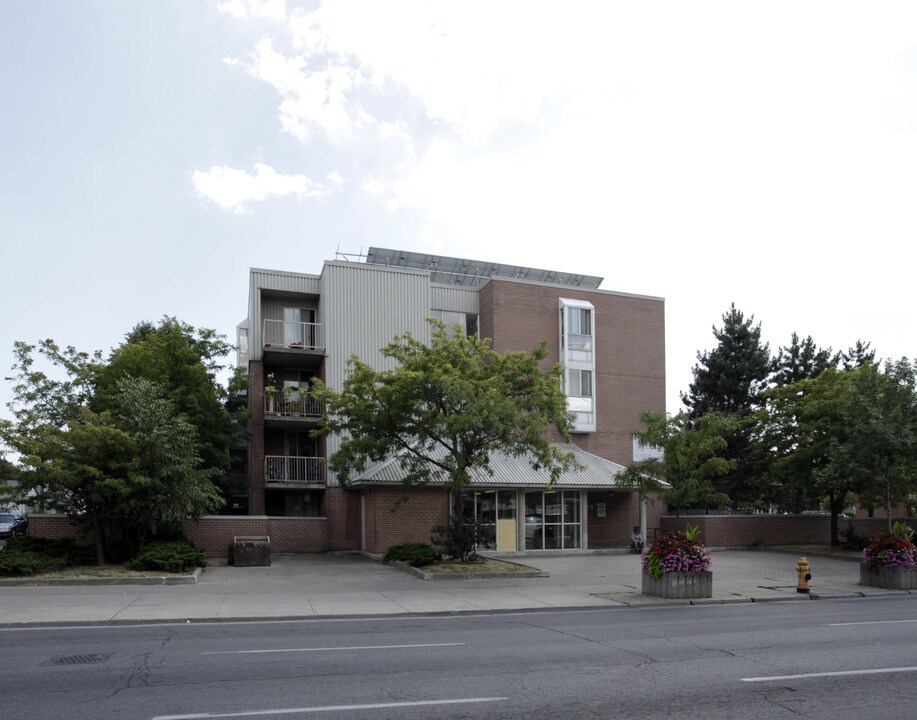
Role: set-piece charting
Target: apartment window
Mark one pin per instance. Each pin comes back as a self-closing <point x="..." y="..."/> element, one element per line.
<point x="579" y="383"/>
<point x="469" y="321"/>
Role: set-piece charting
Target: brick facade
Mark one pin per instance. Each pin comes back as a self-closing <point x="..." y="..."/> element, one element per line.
<point x="629" y="352"/>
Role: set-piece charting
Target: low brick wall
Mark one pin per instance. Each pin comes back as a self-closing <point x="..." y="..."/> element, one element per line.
<point x="214" y="533"/>
<point x="744" y="530"/>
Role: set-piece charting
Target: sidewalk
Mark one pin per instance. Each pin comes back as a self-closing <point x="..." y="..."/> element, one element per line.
<point x="351" y="585"/>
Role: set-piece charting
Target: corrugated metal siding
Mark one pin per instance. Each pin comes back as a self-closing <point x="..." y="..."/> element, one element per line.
<point x="278" y="281"/>
<point x="363" y="308"/>
<point x="455" y="299"/>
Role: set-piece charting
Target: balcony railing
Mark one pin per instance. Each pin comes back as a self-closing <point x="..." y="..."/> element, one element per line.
<point x="286" y="404"/>
<point x="284" y="471"/>
<point x="294" y="335"/>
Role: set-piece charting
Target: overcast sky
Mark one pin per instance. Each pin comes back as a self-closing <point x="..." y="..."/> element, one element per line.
<point x="709" y="153"/>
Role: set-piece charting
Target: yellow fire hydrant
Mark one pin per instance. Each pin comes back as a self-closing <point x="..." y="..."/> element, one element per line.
<point x="802" y="571"/>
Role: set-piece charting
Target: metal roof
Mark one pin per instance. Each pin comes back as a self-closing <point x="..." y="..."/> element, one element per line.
<point x="513" y="472"/>
<point x="472" y="273"/>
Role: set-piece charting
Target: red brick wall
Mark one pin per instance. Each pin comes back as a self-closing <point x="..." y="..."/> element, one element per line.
<point x="410" y="521"/>
<point x="630" y="352"/>
<point x="744" y="530"/>
<point x="256" y="443"/>
<point x="342" y="508"/>
<point x="622" y="515"/>
<point x="213" y="534"/>
<point x="55" y="527"/>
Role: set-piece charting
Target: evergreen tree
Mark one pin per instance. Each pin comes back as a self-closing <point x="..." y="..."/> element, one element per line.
<point x="801" y="360"/>
<point x="858" y="355"/>
<point x="729" y="380"/>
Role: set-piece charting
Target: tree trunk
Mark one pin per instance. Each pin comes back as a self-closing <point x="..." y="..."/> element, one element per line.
<point x="836" y="504"/>
<point x="99" y="541"/>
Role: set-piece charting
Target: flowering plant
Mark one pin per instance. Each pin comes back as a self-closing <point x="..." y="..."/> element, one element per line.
<point x="677" y="551"/>
<point x="887" y="551"/>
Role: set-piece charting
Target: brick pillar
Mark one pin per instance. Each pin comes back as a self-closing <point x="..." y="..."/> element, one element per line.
<point x="256" y="443"/>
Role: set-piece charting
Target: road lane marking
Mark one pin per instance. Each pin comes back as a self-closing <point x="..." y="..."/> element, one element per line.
<point x="328" y="649"/>
<point x="840" y="673"/>
<point x="328" y="708"/>
<point x="872" y="622"/>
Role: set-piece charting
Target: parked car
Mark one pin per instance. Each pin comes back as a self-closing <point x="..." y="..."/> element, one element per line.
<point x="12" y="525"/>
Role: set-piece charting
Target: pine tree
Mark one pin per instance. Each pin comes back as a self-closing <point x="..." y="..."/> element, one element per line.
<point x="802" y="360"/>
<point x="729" y="380"/>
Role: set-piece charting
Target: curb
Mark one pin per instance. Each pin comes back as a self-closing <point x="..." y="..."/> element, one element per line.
<point x="418" y="573"/>
<point x="145" y="580"/>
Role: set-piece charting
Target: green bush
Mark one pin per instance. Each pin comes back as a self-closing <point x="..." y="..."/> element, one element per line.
<point x="28" y="555"/>
<point x="177" y="556"/>
<point x="415" y="554"/>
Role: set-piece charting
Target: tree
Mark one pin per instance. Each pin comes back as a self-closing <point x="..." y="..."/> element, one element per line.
<point x="729" y="380"/>
<point x="858" y="355"/>
<point x="184" y="362"/>
<point x="881" y="418"/>
<point x="166" y="482"/>
<point x="444" y="409"/>
<point x="801" y="360"/>
<point x="106" y="447"/>
<point x="692" y="458"/>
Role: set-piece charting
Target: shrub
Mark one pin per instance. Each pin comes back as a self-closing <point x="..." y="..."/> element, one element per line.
<point x="461" y="537"/>
<point x="177" y="556"/>
<point x="853" y="538"/>
<point x="29" y="555"/>
<point x="415" y="554"/>
<point x="677" y="551"/>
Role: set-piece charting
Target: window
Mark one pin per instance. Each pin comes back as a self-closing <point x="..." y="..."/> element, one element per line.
<point x="580" y="321"/>
<point x="469" y="321"/>
<point x="580" y="383"/>
<point x="552" y="520"/>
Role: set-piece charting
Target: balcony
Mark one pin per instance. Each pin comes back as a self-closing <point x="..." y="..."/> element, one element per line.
<point x="294" y="344"/>
<point x="285" y="409"/>
<point x="284" y="471"/>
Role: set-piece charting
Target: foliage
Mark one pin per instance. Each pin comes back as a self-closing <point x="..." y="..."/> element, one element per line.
<point x="801" y="360"/>
<point x="175" y="557"/>
<point x="444" y="409"/>
<point x="461" y="537"/>
<point x="415" y="554"/>
<point x="692" y="459"/>
<point x="887" y="551"/>
<point x="105" y="443"/>
<point x="184" y="362"/>
<point x="676" y="552"/>
<point x="853" y="538"/>
<point x="729" y="380"/>
<point x="27" y="555"/>
<point x="902" y="530"/>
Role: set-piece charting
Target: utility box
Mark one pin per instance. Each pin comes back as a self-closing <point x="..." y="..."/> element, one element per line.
<point x="251" y="550"/>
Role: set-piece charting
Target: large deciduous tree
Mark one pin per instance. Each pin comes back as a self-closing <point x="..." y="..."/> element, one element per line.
<point x="104" y="442"/>
<point x="692" y="458"/>
<point x="445" y="408"/>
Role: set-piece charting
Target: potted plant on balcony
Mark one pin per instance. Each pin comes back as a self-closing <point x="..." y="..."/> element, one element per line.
<point x="677" y="565"/>
<point x="890" y="560"/>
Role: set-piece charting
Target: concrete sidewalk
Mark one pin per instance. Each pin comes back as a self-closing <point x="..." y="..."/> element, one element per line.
<point x="351" y="585"/>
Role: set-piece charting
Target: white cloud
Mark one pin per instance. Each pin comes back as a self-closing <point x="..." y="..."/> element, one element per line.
<point x="335" y="178"/>
<point x="312" y="100"/>
<point x="233" y="189"/>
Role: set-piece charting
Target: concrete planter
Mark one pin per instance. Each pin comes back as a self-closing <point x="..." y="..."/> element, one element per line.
<point x="894" y="578"/>
<point x="679" y="585"/>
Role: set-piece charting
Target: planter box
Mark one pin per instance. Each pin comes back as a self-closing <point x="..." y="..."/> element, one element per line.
<point x="895" y="578"/>
<point x="679" y="585"/>
<point x="251" y="551"/>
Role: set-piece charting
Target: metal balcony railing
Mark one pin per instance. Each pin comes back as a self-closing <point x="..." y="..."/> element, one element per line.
<point x="288" y="471"/>
<point x="283" y="403"/>
<point x="294" y="335"/>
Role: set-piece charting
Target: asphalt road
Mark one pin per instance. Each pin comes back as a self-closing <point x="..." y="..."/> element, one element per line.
<point x="834" y="659"/>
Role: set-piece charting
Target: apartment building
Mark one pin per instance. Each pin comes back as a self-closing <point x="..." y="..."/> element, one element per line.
<point x="302" y="326"/>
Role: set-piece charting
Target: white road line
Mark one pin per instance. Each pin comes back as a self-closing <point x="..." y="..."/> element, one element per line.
<point x="879" y="671"/>
<point x="329" y="649"/>
<point x="327" y="708"/>
<point x="872" y="622"/>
